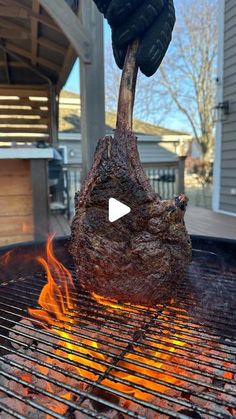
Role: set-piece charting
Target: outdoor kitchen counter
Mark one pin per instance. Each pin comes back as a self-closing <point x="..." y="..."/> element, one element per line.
<point x="26" y="153"/>
<point x="24" y="200"/>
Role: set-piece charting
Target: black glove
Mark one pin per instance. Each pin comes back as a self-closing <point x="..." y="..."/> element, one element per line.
<point x="151" y="21"/>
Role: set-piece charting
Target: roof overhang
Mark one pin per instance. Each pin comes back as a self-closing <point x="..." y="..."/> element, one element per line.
<point x="40" y="40"/>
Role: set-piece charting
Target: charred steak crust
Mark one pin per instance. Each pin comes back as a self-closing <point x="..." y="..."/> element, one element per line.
<point x="142" y="257"/>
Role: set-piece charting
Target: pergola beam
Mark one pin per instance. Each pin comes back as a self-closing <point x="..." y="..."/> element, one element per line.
<point x="24" y="12"/>
<point x="16" y="34"/>
<point x="12" y="3"/>
<point x="54" y="46"/>
<point x="65" y="71"/>
<point x="48" y="64"/>
<point x="45" y="20"/>
<point x="71" y="26"/>
<point x="34" y="32"/>
<point x="7" y="67"/>
<point x="12" y="64"/>
<point x="17" y="12"/>
<point x="11" y="26"/>
<point x="26" y="54"/>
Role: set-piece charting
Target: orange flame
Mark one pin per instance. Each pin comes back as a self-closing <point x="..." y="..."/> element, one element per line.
<point x="58" y="307"/>
<point x="25" y="228"/>
<point x="55" y="297"/>
<point x="5" y="259"/>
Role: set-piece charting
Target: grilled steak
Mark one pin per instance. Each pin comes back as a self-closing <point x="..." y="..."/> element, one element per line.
<point x="141" y="257"/>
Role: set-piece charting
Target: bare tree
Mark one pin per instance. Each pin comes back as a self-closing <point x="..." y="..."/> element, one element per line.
<point x="188" y="71"/>
<point x="146" y="105"/>
<point x="112" y="77"/>
<point x="185" y="83"/>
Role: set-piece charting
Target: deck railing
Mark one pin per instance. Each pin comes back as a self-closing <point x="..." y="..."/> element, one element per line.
<point x="163" y="177"/>
<point x="164" y="180"/>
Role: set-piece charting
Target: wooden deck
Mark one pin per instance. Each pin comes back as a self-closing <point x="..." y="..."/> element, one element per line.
<point x="205" y="222"/>
<point x="199" y="221"/>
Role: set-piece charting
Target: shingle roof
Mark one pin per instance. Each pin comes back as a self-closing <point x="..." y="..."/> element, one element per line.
<point x="69" y="120"/>
<point x="68" y="94"/>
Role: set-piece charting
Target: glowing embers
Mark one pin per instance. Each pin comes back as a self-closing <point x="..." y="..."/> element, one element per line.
<point x="88" y="335"/>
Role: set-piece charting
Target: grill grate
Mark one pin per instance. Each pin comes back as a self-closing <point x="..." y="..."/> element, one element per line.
<point x="183" y="356"/>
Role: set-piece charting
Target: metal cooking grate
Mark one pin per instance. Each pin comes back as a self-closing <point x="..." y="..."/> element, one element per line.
<point x="188" y="348"/>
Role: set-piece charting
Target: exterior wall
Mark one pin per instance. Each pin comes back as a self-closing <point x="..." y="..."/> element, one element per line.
<point x="150" y="148"/>
<point x="227" y="201"/>
<point x="219" y="99"/>
<point x="16" y="202"/>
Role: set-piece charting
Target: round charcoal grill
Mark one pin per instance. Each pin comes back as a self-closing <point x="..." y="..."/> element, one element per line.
<point x="182" y="355"/>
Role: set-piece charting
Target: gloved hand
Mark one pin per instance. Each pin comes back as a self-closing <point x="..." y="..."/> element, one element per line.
<point x="151" y="21"/>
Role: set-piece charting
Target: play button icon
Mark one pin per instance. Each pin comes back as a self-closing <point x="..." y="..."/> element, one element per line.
<point x="117" y="210"/>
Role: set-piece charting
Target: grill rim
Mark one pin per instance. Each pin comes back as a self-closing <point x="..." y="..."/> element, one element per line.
<point x="20" y="265"/>
<point x="197" y="240"/>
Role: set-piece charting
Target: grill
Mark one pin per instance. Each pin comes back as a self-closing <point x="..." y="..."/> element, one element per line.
<point x="177" y="360"/>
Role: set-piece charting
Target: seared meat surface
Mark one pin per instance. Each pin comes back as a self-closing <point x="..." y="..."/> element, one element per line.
<point x="141" y="257"/>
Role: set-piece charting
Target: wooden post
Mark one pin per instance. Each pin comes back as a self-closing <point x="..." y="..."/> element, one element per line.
<point x="92" y="85"/>
<point x="53" y="106"/>
<point x="181" y="181"/>
<point x="39" y="176"/>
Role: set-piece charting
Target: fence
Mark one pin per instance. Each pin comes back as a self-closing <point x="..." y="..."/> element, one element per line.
<point x="163" y="178"/>
<point x="73" y="182"/>
<point x="164" y="181"/>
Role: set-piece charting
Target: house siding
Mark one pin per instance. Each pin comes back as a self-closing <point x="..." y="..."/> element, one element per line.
<point x="152" y="152"/>
<point x="228" y="148"/>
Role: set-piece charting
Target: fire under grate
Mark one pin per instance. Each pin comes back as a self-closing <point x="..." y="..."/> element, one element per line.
<point x="122" y="361"/>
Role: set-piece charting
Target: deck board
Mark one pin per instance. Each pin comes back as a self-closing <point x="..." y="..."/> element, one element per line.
<point x="205" y="222"/>
<point x="199" y="221"/>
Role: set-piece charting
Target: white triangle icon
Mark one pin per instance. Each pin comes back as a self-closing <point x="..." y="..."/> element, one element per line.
<point x="117" y="210"/>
